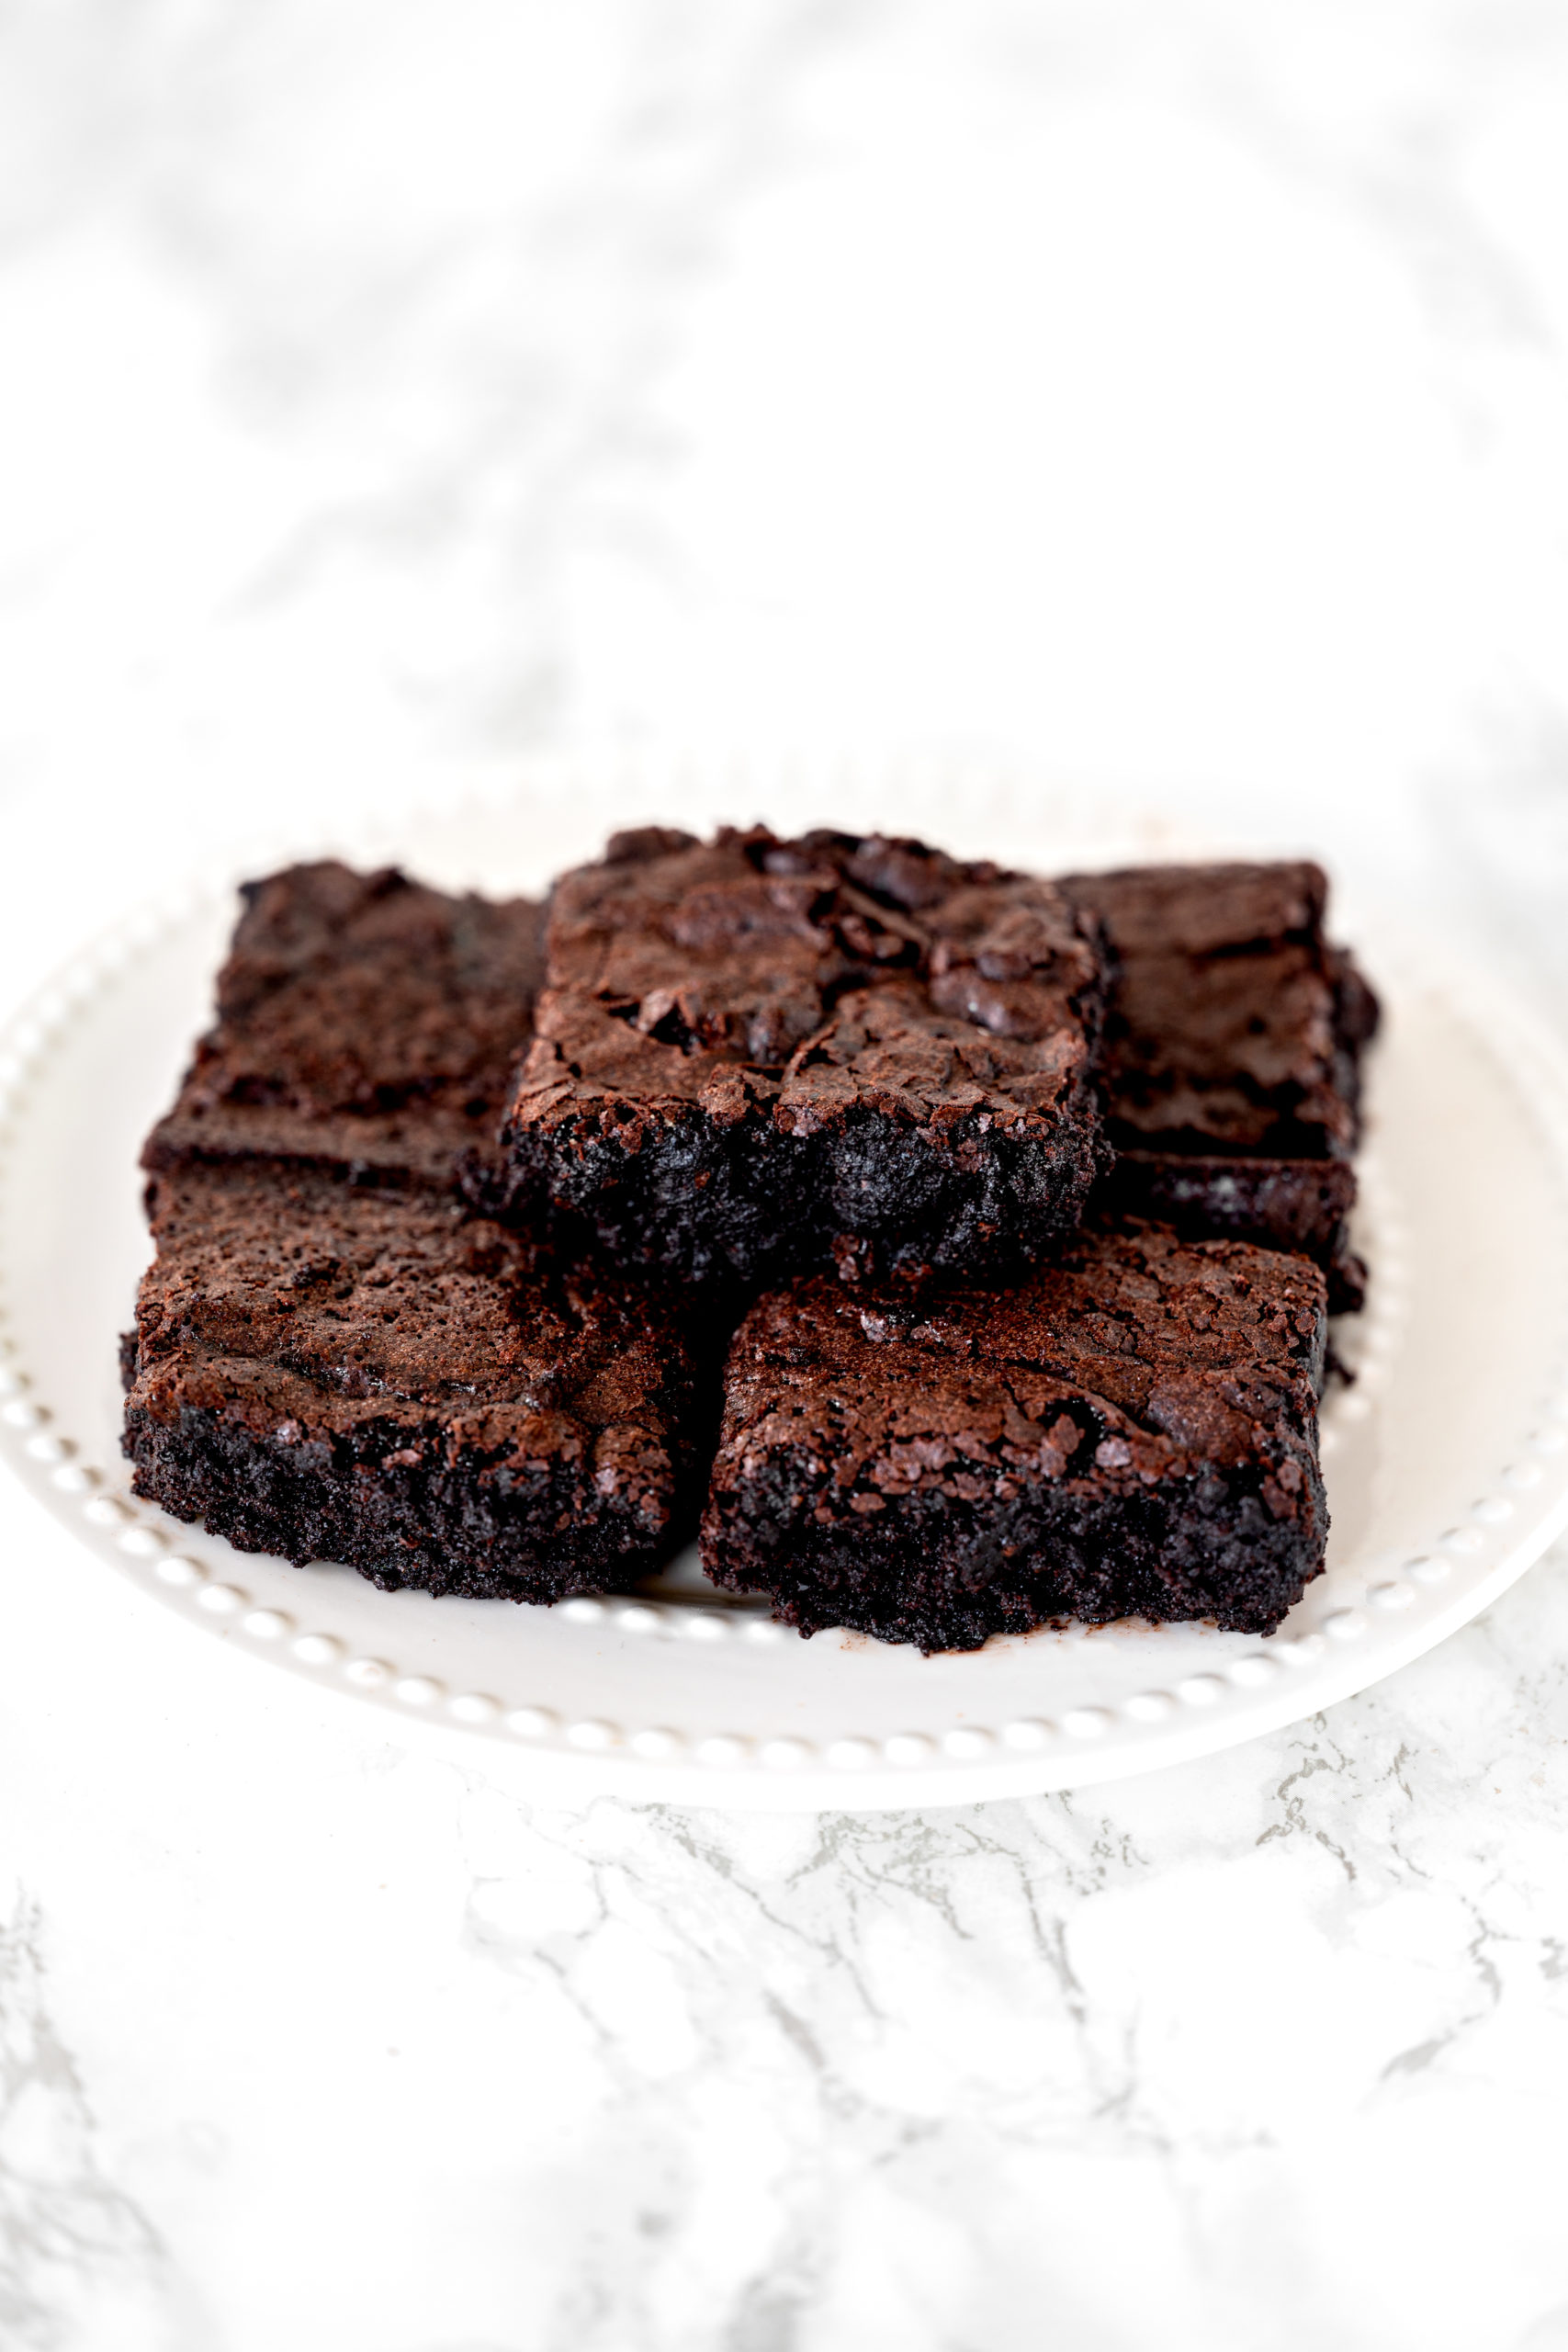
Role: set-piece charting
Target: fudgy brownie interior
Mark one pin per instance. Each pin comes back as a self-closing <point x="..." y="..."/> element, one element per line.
<point x="753" y="1053"/>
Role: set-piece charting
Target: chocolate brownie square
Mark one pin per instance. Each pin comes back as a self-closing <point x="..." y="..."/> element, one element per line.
<point x="753" y="1054"/>
<point x="366" y="1023"/>
<point x="379" y="1376"/>
<point x="1130" y="1431"/>
<point x="1232" y="1056"/>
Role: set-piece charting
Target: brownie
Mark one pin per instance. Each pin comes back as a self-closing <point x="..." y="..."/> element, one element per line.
<point x="1232" y="1056"/>
<point x="380" y="1376"/>
<point x="753" y="1054"/>
<point x="1128" y="1431"/>
<point x="366" y="1024"/>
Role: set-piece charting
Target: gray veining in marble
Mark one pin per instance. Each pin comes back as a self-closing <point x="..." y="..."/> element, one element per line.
<point x="1165" y="401"/>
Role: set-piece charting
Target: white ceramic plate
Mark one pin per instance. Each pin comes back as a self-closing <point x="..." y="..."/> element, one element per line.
<point x="1447" y="1461"/>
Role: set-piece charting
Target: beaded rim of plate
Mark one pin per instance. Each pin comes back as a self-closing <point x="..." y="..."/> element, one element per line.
<point x="143" y="1539"/>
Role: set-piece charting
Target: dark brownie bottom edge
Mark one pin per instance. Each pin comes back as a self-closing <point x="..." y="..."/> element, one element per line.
<point x="461" y="1528"/>
<point x="701" y="1199"/>
<point x="938" y="1576"/>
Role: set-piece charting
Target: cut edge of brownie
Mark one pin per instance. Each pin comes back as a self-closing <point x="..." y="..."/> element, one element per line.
<point x="959" y="1196"/>
<point x="1211" y="1552"/>
<point x="473" y="1526"/>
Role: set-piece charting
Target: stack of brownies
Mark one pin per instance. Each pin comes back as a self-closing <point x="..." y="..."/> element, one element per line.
<point x="953" y="1246"/>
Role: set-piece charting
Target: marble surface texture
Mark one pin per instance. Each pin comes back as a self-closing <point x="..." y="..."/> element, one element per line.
<point x="1164" y="402"/>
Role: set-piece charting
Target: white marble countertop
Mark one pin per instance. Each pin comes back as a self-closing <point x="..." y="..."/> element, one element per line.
<point x="1168" y="402"/>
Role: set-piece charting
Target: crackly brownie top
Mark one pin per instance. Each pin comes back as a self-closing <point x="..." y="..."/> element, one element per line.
<point x="360" y="1015"/>
<point x="807" y="976"/>
<point x="1233" y="1023"/>
<point x="308" y="1307"/>
<point x="1136" y="1358"/>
